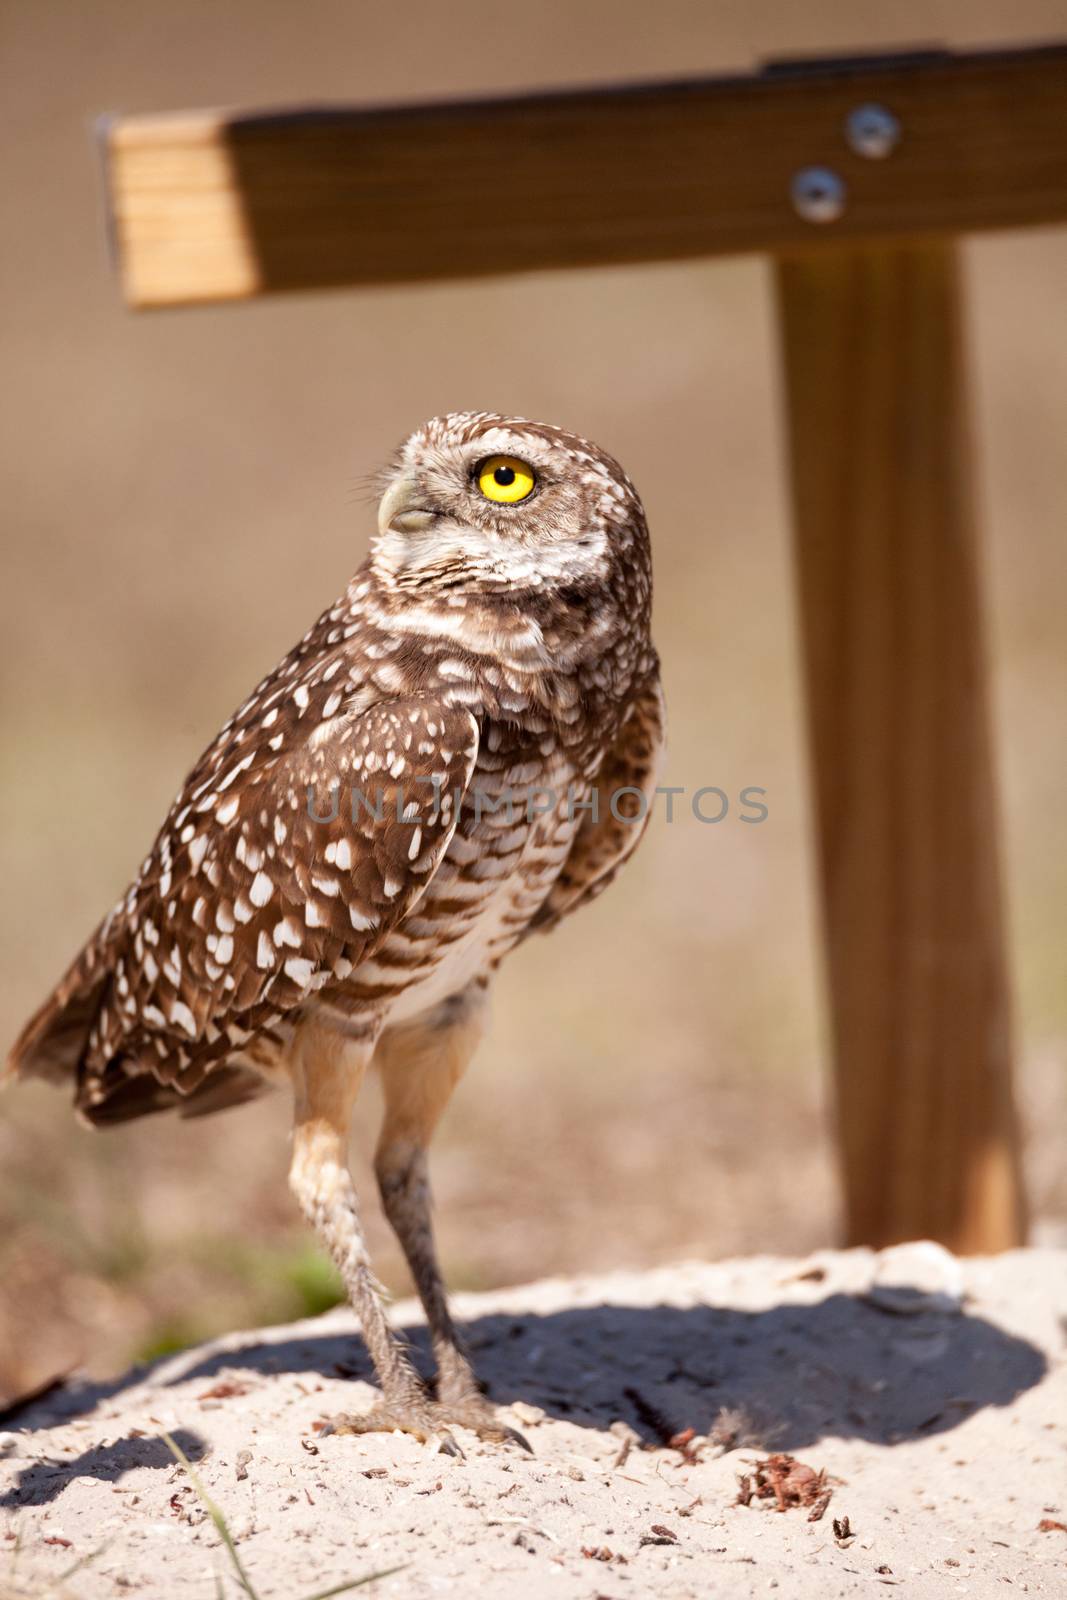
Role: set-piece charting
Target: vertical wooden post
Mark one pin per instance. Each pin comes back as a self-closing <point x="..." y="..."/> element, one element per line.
<point x="892" y="636"/>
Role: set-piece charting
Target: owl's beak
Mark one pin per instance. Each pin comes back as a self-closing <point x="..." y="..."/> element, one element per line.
<point x="403" y="509"/>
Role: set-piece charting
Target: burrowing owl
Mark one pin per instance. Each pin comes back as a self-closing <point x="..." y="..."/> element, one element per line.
<point x="462" y="749"/>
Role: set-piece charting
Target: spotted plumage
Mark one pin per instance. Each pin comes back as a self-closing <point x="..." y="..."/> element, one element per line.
<point x="460" y="750"/>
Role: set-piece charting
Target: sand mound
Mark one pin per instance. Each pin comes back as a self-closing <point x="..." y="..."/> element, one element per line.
<point x="930" y="1393"/>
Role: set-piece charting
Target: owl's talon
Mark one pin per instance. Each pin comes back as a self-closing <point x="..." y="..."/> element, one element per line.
<point x="475" y="1413"/>
<point x="431" y="1422"/>
<point x="413" y="1417"/>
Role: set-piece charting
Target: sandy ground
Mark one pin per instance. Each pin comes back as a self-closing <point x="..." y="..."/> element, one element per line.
<point x="932" y="1393"/>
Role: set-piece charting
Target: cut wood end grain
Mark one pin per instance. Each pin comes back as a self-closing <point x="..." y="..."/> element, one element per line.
<point x="222" y="204"/>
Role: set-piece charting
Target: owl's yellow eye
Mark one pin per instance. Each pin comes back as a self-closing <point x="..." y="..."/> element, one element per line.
<point x="505" y="479"/>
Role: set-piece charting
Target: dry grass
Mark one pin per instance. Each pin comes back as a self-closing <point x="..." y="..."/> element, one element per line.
<point x="229" y="1544"/>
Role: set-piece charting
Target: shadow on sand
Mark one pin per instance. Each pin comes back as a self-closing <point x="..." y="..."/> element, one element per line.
<point x="792" y="1374"/>
<point x="45" y="1480"/>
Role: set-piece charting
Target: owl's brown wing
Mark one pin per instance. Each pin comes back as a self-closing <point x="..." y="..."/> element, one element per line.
<point x="625" y="791"/>
<point x="269" y="884"/>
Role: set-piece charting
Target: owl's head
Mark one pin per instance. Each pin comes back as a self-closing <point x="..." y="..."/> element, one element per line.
<point x="477" y="503"/>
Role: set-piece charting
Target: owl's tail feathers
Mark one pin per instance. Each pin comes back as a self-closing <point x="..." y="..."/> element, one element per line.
<point x="138" y="1094"/>
<point x="52" y="1043"/>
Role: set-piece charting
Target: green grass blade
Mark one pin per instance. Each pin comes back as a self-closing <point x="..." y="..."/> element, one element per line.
<point x="353" y="1583"/>
<point x="84" y="1561"/>
<point x="214" y="1512"/>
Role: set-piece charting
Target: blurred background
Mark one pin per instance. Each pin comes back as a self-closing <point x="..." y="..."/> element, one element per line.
<point x="181" y="494"/>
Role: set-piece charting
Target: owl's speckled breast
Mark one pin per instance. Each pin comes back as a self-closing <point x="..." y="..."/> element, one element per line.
<point x="514" y="833"/>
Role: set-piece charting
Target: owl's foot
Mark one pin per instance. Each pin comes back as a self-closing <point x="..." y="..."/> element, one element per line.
<point x="461" y="1399"/>
<point x="431" y="1422"/>
<point x="473" y="1411"/>
<point x="419" y="1417"/>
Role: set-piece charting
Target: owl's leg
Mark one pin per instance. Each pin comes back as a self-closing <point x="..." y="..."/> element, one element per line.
<point x="327" y="1070"/>
<point x="420" y="1064"/>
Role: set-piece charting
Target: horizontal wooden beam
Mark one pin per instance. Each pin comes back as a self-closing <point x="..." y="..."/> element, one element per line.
<point x="215" y="206"/>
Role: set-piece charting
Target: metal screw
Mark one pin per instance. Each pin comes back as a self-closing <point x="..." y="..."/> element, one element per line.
<point x="872" y="131"/>
<point x="818" y="194"/>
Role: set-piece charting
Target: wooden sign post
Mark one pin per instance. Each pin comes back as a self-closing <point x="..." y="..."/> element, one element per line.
<point x="857" y="175"/>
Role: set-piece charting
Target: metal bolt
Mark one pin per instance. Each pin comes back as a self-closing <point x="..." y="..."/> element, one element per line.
<point x="872" y="131"/>
<point x="818" y="194"/>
